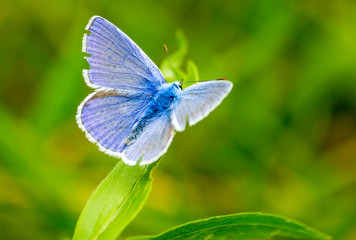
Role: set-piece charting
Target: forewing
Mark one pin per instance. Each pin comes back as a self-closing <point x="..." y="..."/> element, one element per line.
<point x="116" y="61"/>
<point x="108" y="119"/>
<point x="197" y="101"/>
<point x="152" y="143"/>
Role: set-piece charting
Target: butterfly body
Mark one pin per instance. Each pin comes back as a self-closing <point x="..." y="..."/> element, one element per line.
<point x="134" y="112"/>
<point x="165" y="96"/>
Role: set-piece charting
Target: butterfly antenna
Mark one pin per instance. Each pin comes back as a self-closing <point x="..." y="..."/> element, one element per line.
<point x="205" y="80"/>
<point x="169" y="62"/>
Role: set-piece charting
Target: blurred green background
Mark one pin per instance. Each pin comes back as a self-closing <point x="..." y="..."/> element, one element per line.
<point x="282" y="142"/>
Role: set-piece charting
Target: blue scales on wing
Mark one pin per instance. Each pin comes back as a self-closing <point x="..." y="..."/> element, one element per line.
<point x="197" y="101"/>
<point x="152" y="142"/>
<point x="108" y="119"/>
<point x="116" y="61"/>
<point x="130" y="128"/>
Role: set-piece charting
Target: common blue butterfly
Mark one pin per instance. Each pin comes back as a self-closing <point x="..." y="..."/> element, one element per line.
<point x="134" y="113"/>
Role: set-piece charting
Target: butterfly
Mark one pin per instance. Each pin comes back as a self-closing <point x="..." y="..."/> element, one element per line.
<point x="133" y="113"/>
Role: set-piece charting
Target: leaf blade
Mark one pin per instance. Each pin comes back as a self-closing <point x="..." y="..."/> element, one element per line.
<point x="240" y="226"/>
<point x="115" y="202"/>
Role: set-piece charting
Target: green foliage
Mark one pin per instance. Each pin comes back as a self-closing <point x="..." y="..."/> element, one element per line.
<point x="114" y="203"/>
<point x="240" y="227"/>
<point x="177" y="60"/>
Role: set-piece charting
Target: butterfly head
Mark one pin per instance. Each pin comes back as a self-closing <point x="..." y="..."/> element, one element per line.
<point x="178" y="84"/>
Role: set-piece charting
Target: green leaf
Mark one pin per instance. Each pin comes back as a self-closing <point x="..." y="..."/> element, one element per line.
<point x="240" y="227"/>
<point x="192" y="71"/>
<point x="115" y="202"/>
<point x="177" y="59"/>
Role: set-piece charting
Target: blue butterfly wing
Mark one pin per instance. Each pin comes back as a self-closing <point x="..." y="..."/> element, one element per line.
<point x="108" y="119"/>
<point x="115" y="61"/>
<point x="125" y="79"/>
<point x="197" y="101"/>
<point x="152" y="143"/>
